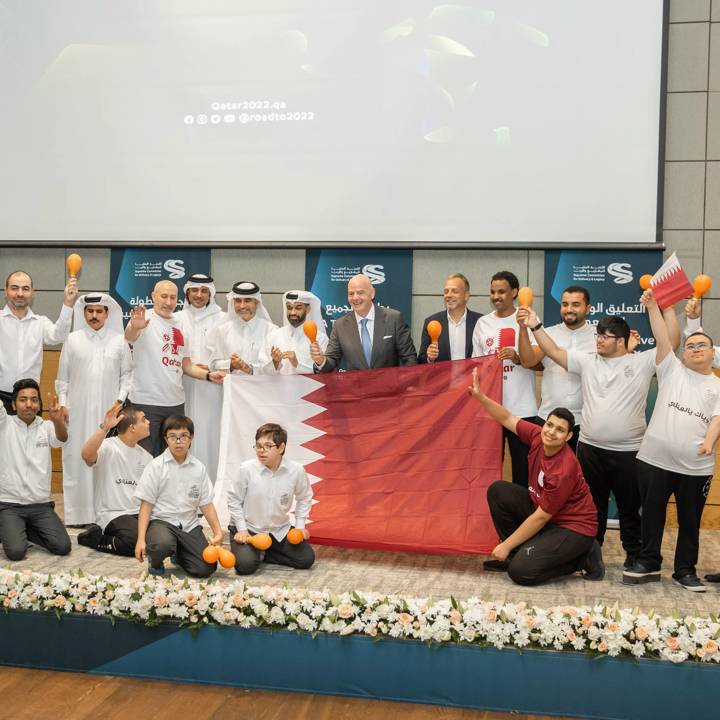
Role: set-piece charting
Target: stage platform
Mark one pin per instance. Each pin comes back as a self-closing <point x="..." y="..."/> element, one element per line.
<point x="439" y="576"/>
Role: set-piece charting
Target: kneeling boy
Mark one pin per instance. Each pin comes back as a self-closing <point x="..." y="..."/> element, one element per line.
<point x="172" y="489"/>
<point x="26" y="511"/>
<point x="260" y="497"/>
<point x="118" y="464"/>
<point x="547" y="530"/>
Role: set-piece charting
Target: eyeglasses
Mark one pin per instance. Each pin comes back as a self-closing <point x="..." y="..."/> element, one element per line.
<point x="605" y="336"/>
<point x="183" y="438"/>
<point x="264" y="446"/>
<point x="698" y="346"/>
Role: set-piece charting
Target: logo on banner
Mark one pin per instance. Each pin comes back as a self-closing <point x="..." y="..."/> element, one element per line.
<point x="175" y="268"/>
<point x="375" y="273"/>
<point x="621" y="273"/>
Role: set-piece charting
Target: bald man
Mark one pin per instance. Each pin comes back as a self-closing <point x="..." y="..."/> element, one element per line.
<point x="368" y="337"/>
<point x="161" y="357"/>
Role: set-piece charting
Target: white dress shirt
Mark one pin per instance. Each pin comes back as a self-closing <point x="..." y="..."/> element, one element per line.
<point x="21" y="343"/>
<point x="26" y="466"/>
<point x="456" y="336"/>
<point x="260" y="499"/>
<point x="176" y="491"/>
<point x="246" y="339"/>
<point x="370" y="317"/>
<point x="292" y="338"/>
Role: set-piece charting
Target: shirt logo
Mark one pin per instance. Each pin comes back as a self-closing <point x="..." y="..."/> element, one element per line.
<point x="173" y="341"/>
<point x="490" y="342"/>
<point x="194" y="492"/>
<point x="285" y="500"/>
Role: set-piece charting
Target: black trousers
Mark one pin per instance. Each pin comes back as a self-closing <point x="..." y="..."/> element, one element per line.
<point x="163" y="540"/>
<point x="155" y="442"/>
<point x="518" y="454"/>
<point x="656" y="487"/>
<point x="37" y="523"/>
<point x="614" y="471"/>
<point x="119" y="536"/>
<point x="572" y="442"/>
<point x="553" y="552"/>
<point x="283" y="552"/>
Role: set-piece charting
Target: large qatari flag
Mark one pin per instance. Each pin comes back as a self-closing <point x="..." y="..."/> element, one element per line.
<point x="399" y="458"/>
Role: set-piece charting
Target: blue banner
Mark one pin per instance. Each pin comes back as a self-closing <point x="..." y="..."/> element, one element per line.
<point x="612" y="279"/>
<point x="327" y="273"/>
<point x="134" y="272"/>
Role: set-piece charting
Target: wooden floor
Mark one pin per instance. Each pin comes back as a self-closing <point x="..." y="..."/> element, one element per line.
<point x="33" y="694"/>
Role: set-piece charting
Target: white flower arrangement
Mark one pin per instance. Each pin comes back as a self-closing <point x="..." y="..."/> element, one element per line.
<point x="598" y="630"/>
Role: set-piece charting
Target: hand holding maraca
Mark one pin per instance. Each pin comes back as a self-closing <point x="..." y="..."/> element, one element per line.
<point x="434" y="330"/>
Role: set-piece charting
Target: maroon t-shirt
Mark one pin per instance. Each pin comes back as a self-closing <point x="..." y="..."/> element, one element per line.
<point x="557" y="485"/>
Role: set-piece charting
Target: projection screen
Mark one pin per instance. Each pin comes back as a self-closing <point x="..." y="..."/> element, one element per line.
<point x="331" y="122"/>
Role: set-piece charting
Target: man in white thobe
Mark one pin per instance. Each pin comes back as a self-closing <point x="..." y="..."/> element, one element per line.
<point x="203" y="401"/>
<point x="95" y="371"/>
<point x="239" y="344"/>
<point x="289" y="347"/>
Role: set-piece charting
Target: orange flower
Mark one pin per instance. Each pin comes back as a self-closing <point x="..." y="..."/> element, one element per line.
<point x="710" y="647"/>
<point x="405" y="618"/>
<point x="672" y="643"/>
<point x="603" y="646"/>
<point x="491" y="615"/>
<point x="641" y="632"/>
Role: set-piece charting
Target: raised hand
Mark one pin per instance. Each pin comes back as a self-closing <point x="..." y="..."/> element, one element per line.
<point x="55" y="411"/>
<point x="138" y="321"/>
<point x="647" y="298"/>
<point x="317" y="355"/>
<point x="475" y="390"/>
<point x="113" y="416"/>
<point x="71" y="292"/>
<point x="692" y="309"/>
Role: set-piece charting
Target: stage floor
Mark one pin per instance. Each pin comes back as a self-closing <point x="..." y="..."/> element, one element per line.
<point x="418" y="575"/>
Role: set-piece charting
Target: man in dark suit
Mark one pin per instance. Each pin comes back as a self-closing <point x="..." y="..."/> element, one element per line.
<point x="368" y="337"/>
<point x="457" y="321"/>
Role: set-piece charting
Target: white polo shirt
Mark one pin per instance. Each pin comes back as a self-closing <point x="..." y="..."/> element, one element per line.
<point x="518" y="382"/>
<point x="117" y="472"/>
<point x="686" y="402"/>
<point x="614" y="397"/>
<point x="177" y="492"/>
<point x="260" y="500"/>
<point x="561" y="388"/>
<point x="158" y="354"/>
<point x="21" y="343"/>
<point x="25" y="463"/>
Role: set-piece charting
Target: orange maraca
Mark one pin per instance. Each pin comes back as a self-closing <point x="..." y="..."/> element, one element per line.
<point x="434" y="329"/>
<point x="226" y="558"/>
<point x="701" y="284"/>
<point x="210" y="554"/>
<point x="525" y="297"/>
<point x="295" y="536"/>
<point x="645" y="281"/>
<point x="261" y="541"/>
<point x="74" y="263"/>
<point x="310" y="330"/>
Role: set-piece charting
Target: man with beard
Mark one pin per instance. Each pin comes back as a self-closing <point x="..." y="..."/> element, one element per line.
<point x="26" y="512"/>
<point x="559" y="387"/>
<point x="497" y="334"/>
<point x="239" y="343"/>
<point x="615" y="385"/>
<point x="457" y="322"/>
<point x="288" y="347"/>
<point x="161" y="354"/>
<point x="95" y="371"/>
<point x="23" y="333"/>
<point x="203" y="401"/>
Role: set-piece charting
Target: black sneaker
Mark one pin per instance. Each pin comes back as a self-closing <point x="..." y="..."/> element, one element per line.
<point x="690" y="582"/>
<point x="713" y="577"/>
<point x="90" y="537"/>
<point x="630" y="560"/>
<point x="593" y="566"/>
<point x="495" y="565"/>
<point x="639" y="574"/>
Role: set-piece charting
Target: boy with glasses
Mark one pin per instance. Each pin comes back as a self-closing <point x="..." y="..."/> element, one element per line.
<point x="173" y="488"/>
<point x="677" y="455"/>
<point x="260" y="498"/>
<point x="615" y="385"/>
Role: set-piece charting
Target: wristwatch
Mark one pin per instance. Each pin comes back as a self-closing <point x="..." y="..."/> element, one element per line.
<point x="537" y="327"/>
<point x="207" y="376"/>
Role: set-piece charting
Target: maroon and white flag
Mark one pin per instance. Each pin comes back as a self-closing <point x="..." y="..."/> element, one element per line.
<point x="399" y="458"/>
<point x="670" y="283"/>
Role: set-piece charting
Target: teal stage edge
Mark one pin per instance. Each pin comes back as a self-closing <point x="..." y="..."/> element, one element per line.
<point x="533" y="681"/>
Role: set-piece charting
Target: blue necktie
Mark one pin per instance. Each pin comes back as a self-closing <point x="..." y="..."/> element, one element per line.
<point x="365" y="340"/>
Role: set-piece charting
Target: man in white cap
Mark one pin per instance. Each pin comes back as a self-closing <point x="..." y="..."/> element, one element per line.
<point x="203" y="401"/>
<point x="161" y="355"/>
<point x="95" y="371"/>
<point x="289" y="347"/>
<point x="239" y="344"/>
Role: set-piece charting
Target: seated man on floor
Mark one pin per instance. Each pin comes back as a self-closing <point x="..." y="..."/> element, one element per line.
<point x="260" y="497"/>
<point x="173" y="489"/>
<point x="118" y="464"/>
<point x="548" y="529"/>
<point x="26" y="511"/>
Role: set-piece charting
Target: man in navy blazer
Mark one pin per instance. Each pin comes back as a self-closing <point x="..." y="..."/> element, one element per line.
<point x="368" y="337"/>
<point x="455" y="342"/>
